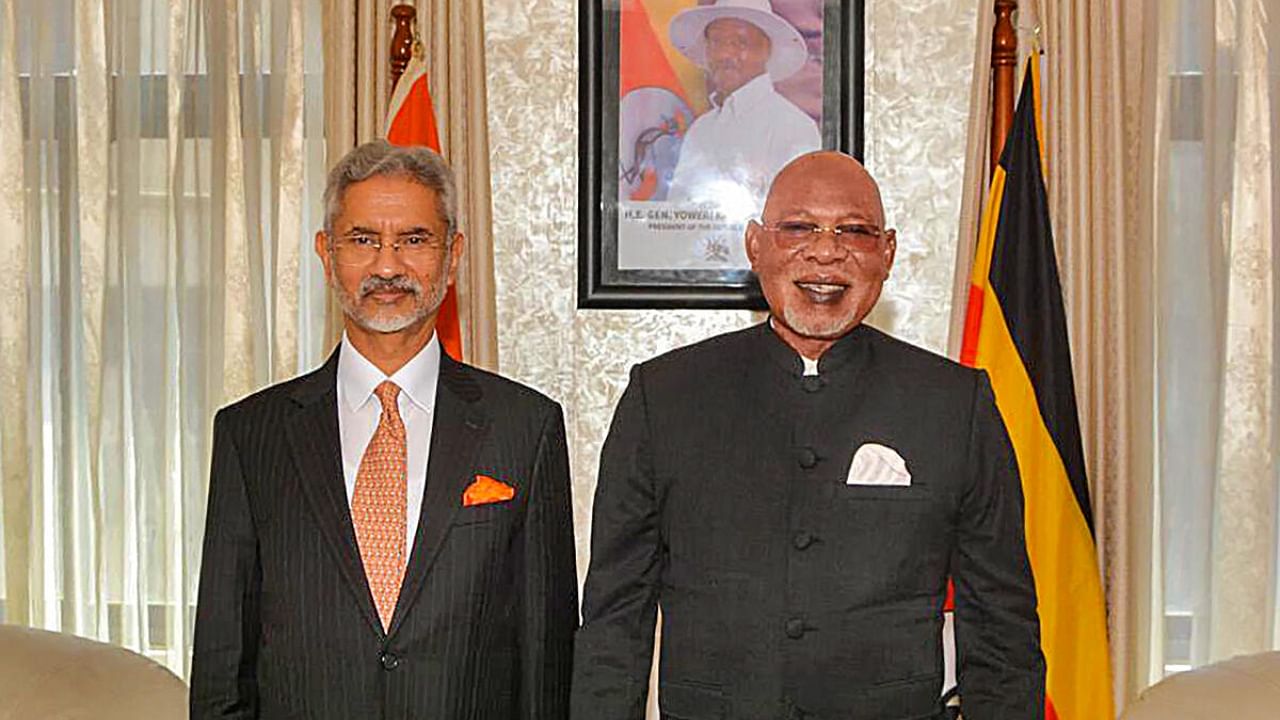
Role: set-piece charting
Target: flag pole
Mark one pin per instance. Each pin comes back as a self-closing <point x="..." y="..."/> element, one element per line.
<point x="401" y="46"/>
<point x="1004" y="60"/>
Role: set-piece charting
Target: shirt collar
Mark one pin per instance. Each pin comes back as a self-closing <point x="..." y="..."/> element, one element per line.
<point x="417" y="378"/>
<point x="747" y="95"/>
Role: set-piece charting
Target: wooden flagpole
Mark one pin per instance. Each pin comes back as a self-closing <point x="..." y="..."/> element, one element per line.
<point x="1004" y="62"/>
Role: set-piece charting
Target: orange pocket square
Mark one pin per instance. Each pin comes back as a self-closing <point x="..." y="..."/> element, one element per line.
<point x="484" y="490"/>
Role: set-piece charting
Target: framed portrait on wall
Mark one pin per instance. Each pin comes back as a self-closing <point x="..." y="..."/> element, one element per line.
<point x="688" y="108"/>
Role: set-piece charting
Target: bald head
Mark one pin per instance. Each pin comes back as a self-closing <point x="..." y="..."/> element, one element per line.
<point x="821" y="250"/>
<point x="824" y="178"/>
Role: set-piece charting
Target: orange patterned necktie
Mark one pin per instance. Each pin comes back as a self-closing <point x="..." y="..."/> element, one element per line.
<point x="378" y="505"/>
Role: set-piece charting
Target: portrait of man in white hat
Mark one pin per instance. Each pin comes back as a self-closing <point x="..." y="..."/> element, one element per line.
<point x="732" y="151"/>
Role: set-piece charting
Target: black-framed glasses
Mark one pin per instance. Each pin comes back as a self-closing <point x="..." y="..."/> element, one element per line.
<point x="360" y="248"/>
<point x="795" y="234"/>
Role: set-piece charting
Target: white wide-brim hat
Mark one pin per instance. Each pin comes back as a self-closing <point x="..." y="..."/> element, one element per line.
<point x="788" y="51"/>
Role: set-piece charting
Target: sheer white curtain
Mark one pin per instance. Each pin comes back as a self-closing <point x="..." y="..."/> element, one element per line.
<point x="1216" y="184"/>
<point x="160" y="171"/>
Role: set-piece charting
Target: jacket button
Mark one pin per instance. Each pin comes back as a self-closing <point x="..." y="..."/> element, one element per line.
<point x="389" y="661"/>
<point x="811" y="383"/>
<point x="795" y="628"/>
<point x="807" y="457"/>
<point x="802" y="540"/>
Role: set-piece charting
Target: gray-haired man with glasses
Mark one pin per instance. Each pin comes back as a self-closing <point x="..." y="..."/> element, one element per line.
<point x="795" y="496"/>
<point x="389" y="536"/>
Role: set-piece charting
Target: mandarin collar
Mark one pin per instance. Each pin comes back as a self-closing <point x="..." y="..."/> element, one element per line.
<point x="849" y="351"/>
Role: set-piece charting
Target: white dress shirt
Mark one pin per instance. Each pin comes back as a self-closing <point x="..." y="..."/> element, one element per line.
<point x="810" y="365"/>
<point x="744" y="141"/>
<point x="359" y="411"/>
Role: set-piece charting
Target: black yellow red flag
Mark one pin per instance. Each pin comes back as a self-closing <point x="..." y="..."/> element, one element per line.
<point x="1016" y="330"/>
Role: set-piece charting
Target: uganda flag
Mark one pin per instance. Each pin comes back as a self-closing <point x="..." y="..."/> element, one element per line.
<point x="1016" y="330"/>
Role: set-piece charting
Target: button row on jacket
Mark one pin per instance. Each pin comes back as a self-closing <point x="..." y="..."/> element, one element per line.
<point x="389" y="661"/>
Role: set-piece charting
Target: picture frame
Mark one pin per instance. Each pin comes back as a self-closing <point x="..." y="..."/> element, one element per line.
<point x="664" y="194"/>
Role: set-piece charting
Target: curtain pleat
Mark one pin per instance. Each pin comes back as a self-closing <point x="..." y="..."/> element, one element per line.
<point x="181" y="557"/>
<point x="93" y="163"/>
<point x="231" y="252"/>
<point x="469" y="151"/>
<point x="43" y="212"/>
<point x="1098" y="111"/>
<point x="344" y="80"/>
<point x="1244" y="541"/>
<point x="15" y="492"/>
<point x="976" y="174"/>
<point x="288" y="169"/>
<point x="454" y="35"/>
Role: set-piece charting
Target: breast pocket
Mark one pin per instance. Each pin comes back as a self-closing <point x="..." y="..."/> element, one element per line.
<point x="878" y="472"/>
<point x="886" y="516"/>
<point x="855" y="492"/>
<point x="895" y="530"/>
<point x="481" y="514"/>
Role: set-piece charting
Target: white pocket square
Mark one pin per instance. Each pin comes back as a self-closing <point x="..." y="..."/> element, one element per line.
<point x="875" y="464"/>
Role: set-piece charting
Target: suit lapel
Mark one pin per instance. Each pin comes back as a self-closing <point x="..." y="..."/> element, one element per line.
<point x="317" y="451"/>
<point x="457" y="429"/>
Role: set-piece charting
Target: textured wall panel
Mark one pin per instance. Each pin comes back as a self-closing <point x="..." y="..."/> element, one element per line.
<point x="918" y="72"/>
<point x="920" y="57"/>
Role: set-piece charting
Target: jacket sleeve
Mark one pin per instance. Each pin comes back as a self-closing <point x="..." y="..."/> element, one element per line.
<point x="549" y="581"/>
<point x="614" y="648"/>
<point x="1001" y="671"/>
<point x="223" y="666"/>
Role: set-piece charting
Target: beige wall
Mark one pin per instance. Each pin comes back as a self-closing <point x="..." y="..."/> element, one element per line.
<point x="918" y="69"/>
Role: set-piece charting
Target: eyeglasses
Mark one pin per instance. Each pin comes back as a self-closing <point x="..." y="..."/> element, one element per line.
<point x="795" y="234"/>
<point x="363" y="248"/>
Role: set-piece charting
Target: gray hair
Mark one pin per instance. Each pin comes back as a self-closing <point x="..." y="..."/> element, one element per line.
<point x="379" y="158"/>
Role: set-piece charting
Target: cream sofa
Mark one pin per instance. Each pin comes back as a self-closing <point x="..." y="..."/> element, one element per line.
<point x="1243" y="688"/>
<point x="52" y="676"/>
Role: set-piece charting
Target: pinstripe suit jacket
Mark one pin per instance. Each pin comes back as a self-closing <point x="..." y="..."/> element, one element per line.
<point x="286" y="625"/>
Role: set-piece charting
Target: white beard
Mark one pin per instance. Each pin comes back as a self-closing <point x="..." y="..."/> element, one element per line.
<point x="821" y="328"/>
<point x="425" y="303"/>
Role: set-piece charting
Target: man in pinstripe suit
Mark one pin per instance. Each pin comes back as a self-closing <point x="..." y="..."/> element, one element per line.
<point x="389" y="536"/>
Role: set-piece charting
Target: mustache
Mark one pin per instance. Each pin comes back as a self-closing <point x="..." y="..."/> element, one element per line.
<point x="402" y="283"/>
